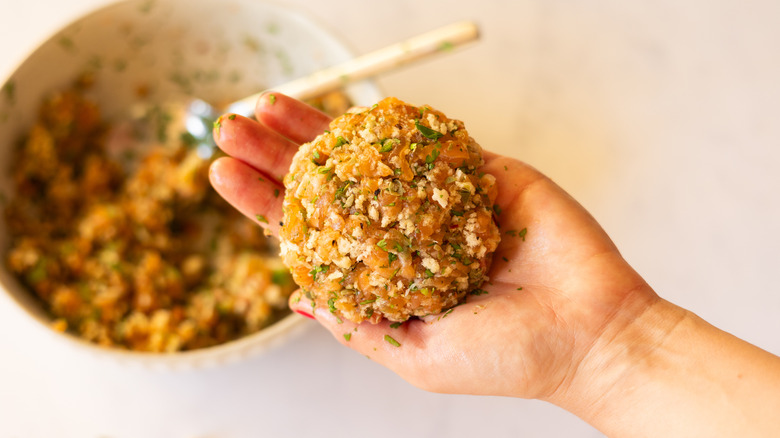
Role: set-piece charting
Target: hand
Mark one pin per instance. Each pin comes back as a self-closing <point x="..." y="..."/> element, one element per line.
<point x="565" y="318"/>
<point x="557" y="281"/>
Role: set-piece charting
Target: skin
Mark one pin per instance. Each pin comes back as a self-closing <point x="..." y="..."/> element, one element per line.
<point x="565" y="320"/>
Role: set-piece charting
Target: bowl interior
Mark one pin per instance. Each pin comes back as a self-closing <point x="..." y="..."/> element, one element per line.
<point x="160" y="51"/>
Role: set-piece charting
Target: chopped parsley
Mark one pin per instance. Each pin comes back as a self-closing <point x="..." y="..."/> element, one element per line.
<point x="276" y="193"/>
<point x="324" y="170"/>
<point x="38" y="272"/>
<point x="280" y="277"/>
<point x="456" y="213"/>
<point x="395" y="325"/>
<point x="392" y="341"/>
<point x="188" y="140"/>
<point x="261" y="218"/>
<point x="478" y="292"/>
<point x="391" y="257"/>
<point x="363" y="303"/>
<point x="382" y="244"/>
<point x="521" y="234"/>
<point x="332" y="305"/>
<point x="340" y="141"/>
<point x="316" y="270"/>
<point x="232" y="117"/>
<point x="9" y="90"/>
<point x="388" y="144"/>
<point x="428" y="273"/>
<point x="347" y="336"/>
<point x="341" y="190"/>
<point x="497" y="209"/>
<point x="272" y="99"/>
<point x="428" y="132"/>
<point x="433" y="156"/>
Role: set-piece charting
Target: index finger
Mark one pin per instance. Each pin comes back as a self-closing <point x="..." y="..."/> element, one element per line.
<point x="290" y="117"/>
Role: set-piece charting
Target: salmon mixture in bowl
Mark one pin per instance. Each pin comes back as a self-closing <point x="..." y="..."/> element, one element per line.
<point x="128" y="246"/>
<point x="387" y="214"/>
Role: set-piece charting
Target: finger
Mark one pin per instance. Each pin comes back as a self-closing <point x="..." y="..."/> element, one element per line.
<point x="249" y="191"/>
<point x="393" y="345"/>
<point x="290" y="117"/>
<point x="255" y="144"/>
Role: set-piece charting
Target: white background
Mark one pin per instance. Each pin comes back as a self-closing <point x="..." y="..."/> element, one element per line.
<point x="662" y="118"/>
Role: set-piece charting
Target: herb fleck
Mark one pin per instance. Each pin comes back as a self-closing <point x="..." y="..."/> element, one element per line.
<point x="347" y="336"/>
<point x="446" y="46"/>
<point x="388" y="144"/>
<point x="433" y="156"/>
<point x="428" y="132"/>
<point x="392" y="341"/>
<point x="316" y="270"/>
<point x="232" y="117"/>
<point x="280" y="277"/>
<point x="9" y="89"/>
<point x="261" y="218"/>
<point x="272" y="99"/>
<point x="67" y="43"/>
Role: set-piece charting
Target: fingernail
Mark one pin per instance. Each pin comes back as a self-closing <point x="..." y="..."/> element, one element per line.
<point x="301" y="312"/>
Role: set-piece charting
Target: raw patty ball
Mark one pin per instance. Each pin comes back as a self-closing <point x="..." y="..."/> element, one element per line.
<point x="387" y="214"/>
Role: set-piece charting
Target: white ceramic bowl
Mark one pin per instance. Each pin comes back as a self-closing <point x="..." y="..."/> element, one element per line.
<point x="217" y="51"/>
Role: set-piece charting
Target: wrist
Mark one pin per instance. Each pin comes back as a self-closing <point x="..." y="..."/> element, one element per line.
<point x="622" y="358"/>
<point x="667" y="372"/>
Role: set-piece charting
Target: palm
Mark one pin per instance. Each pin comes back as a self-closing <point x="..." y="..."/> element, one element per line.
<point x="551" y="290"/>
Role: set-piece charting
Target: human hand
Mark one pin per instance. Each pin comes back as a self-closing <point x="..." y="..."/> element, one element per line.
<point x="557" y="281"/>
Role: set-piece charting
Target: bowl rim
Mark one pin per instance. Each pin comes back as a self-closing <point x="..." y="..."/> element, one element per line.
<point x="252" y="344"/>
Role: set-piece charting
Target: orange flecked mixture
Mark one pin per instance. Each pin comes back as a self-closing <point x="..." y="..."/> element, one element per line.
<point x="387" y="214"/>
<point x="134" y="252"/>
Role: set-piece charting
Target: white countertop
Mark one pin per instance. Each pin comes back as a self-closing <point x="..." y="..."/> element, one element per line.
<point x="662" y="118"/>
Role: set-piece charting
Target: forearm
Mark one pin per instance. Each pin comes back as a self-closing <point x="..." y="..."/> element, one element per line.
<point x="669" y="373"/>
